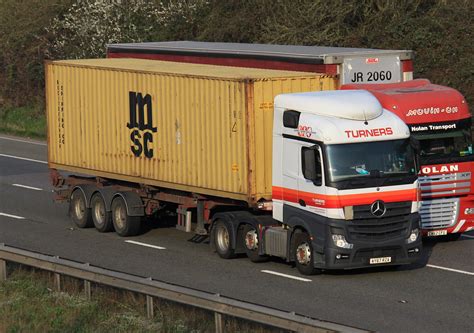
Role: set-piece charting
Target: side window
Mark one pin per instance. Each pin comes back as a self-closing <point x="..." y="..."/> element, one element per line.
<point x="291" y="119"/>
<point x="311" y="164"/>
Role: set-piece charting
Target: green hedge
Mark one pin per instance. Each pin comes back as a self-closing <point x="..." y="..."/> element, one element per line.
<point x="440" y="32"/>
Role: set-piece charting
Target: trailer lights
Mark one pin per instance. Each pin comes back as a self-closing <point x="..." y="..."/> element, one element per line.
<point x="265" y="205"/>
<point x="340" y="241"/>
<point x="413" y="236"/>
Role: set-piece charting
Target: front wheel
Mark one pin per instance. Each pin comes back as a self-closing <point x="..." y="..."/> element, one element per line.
<point x="221" y="238"/>
<point x="303" y="251"/>
<point x="124" y="224"/>
<point x="80" y="214"/>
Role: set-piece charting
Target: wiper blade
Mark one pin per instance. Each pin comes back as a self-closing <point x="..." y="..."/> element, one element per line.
<point x="350" y="178"/>
<point x="361" y="181"/>
<point x="399" y="177"/>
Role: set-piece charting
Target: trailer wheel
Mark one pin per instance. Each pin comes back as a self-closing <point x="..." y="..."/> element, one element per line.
<point x="80" y="214"/>
<point x="221" y="235"/>
<point x="101" y="217"/>
<point x="303" y="251"/>
<point x="124" y="224"/>
<point x="250" y="242"/>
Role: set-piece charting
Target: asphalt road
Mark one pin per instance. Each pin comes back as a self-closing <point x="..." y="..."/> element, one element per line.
<point x="435" y="295"/>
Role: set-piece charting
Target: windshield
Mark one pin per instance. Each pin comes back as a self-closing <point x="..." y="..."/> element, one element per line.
<point x="370" y="164"/>
<point x="454" y="146"/>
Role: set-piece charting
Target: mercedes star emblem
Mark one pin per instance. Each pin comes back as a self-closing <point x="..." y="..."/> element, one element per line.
<point x="378" y="208"/>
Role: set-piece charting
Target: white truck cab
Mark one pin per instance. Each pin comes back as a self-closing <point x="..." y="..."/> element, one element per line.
<point x="344" y="183"/>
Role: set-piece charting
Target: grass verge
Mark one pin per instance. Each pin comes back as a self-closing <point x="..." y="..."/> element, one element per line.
<point x="29" y="304"/>
<point x="28" y="121"/>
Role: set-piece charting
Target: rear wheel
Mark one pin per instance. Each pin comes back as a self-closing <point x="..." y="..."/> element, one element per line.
<point x="221" y="235"/>
<point x="80" y="214"/>
<point x="250" y="241"/>
<point x="101" y="217"/>
<point x="124" y="224"/>
<point x="303" y="251"/>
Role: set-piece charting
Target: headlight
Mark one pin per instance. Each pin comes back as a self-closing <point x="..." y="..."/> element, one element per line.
<point x="468" y="211"/>
<point x="413" y="236"/>
<point x="340" y="241"/>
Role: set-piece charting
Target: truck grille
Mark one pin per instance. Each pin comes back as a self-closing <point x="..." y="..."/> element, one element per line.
<point x="445" y="185"/>
<point x="439" y="213"/>
<point x="394" y="224"/>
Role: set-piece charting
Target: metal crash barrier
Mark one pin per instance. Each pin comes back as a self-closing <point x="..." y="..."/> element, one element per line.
<point x="155" y="289"/>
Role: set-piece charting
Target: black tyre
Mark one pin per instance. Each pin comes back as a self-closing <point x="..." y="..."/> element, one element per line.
<point x="250" y="241"/>
<point x="80" y="214"/>
<point x="100" y="216"/>
<point x="303" y="251"/>
<point x="221" y="235"/>
<point x="124" y="224"/>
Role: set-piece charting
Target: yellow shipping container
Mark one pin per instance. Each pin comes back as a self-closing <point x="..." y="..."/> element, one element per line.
<point x="198" y="128"/>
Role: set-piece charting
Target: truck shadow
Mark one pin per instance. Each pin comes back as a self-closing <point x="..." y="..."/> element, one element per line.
<point x="428" y="245"/>
<point x="169" y="222"/>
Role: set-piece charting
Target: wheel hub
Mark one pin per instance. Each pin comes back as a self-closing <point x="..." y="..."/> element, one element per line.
<point x="222" y="238"/>
<point x="99" y="212"/>
<point x="79" y="209"/>
<point x="303" y="254"/>
<point x="251" y="240"/>
<point x="119" y="215"/>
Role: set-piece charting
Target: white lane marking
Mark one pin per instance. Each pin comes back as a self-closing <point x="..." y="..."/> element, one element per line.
<point x="24" y="158"/>
<point x="28" y="187"/>
<point x="145" y="244"/>
<point x="468" y="236"/>
<point x="451" y="269"/>
<point x="286" y="276"/>
<point x="25" y="141"/>
<point x="12" y="216"/>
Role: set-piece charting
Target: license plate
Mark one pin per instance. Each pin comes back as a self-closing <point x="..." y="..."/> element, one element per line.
<point x="438" y="233"/>
<point x="379" y="69"/>
<point x="380" y="260"/>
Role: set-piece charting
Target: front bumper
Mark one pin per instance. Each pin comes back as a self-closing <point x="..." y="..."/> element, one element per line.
<point x="328" y="256"/>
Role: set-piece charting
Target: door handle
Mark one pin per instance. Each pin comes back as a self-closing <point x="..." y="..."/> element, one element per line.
<point x="302" y="202"/>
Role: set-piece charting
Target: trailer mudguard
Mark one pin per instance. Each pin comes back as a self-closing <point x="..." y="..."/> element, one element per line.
<point x="87" y="190"/>
<point x="133" y="201"/>
<point x="108" y="193"/>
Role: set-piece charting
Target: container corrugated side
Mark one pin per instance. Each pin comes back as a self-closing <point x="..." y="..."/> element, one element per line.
<point x="264" y="92"/>
<point x="202" y="141"/>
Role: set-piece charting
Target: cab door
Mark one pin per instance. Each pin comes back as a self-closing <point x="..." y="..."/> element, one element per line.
<point x="311" y="189"/>
<point x="291" y="171"/>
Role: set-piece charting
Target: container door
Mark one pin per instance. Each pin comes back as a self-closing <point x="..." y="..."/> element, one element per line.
<point x="371" y="69"/>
